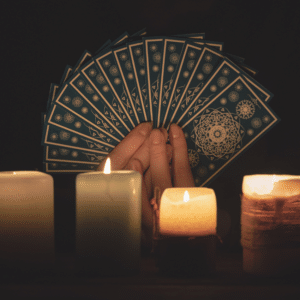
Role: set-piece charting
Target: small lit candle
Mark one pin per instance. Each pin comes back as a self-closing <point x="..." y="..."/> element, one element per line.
<point x="26" y="221"/>
<point x="108" y="221"/>
<point x="270" y="219"/>
<point x="188" y="212"/>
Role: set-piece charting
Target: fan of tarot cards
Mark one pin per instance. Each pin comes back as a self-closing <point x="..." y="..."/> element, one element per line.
<point x="181" y="79"/>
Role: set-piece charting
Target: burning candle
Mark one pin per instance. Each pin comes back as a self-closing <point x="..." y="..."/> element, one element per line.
<point x="188" y="212"/>
<point x="26" y="221"/>
<point x="108" y="221"/>
<point x="270" y="220"/>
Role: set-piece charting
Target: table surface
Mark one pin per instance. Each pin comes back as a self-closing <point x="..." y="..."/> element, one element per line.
<point x="229" y="282"/>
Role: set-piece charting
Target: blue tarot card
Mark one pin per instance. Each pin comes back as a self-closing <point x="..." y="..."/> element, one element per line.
<point x="137" y="56"/>
<point x="67" y="72"/>
<point x="110" y="70"/>
<point x="153" y="49"/>
<point x="200" y="36"/>
<point x="172" y="52"/>
<point x="52" y="92"/>
<point x="140" y="32"/>
<point x="225" y="126"/>
<point x="64" y="154"/>
<point x="59" y="167"/>
<point x="213" y="44"/>
<point x="123" y="60"/>
<point x="85" y="57"/>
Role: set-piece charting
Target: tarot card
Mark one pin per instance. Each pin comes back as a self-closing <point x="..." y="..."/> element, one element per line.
<point x="225" y="126"/>
<point x="104" y="46"/>
<point x="59" y="167"/>
<point x="59" y="136"/>
<point x="172" y="51"/>
<point x="136" y="51"/>
<point x="123" y="61"/>
<point x="63" y="154"/>
<point x="140" y="32"/>
<point x="200" y="36"/>
<point x="52" y="92"/>
<point x="153" y="49"/>
<point x="110" y="70"/>
<point x="85" y="57"/>
<point x="214" y="44"/>
<point x="67" y="72"/>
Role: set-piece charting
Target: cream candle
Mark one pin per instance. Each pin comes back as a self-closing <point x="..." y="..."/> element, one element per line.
<point x="26" y="220"/>
<point x="108" y="221"/>
<point x="270" y="219"/>
<point x="188" y="212"/>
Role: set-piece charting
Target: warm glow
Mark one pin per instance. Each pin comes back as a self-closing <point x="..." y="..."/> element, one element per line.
<point x="14" y="173"/>
<point x="186" y="196"/>
<point x="271" y="185"/>
<point x="107" y="168"/>
<point x="196" y="215"/>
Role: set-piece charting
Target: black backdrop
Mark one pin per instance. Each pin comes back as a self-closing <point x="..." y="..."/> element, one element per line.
<point x="39" y="38"/>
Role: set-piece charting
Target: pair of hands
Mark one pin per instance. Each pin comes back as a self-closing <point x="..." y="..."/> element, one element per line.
<point x="161" y="165"/>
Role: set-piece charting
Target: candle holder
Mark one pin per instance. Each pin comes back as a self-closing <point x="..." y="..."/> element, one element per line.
<point x="182" y="256"/>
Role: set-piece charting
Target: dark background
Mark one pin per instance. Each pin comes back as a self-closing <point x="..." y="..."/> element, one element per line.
<point x="39" y="38"/>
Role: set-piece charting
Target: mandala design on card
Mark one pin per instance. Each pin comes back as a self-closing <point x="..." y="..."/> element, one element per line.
<point x="202" y="171"/>
<point x="113" y="70"/>
<point x="207" y="68"/>
<point x="174" y="58"/>
<point x="256" y="123"/>
<point x="191" y="64"/>
<point x="117" y="81"/>
<point x="77" y="101"/>
<point x="137" y="51"/>
<point x="155" y="68"/>
<point x="64" y="151"/>
<point x="200" y="76"/>
<point x="211" y="166"/>
<point x="191" y="54"/>
<point x="222" y="81"/>
<point x="53" y="165"/>
<point x="92" y="72"/>
<point x="58" y="117"/>
<point x="106" y="63"/>
<point x="74" y="154"/>
<point x="105" y="88"/>
<point x="74" y="139"/>
<point x="68" y="118"/>
<point x="186" y="74"/>
<point x="95" y="98"/>
<point x="213" y="88"/>
<point x="88" y="89"/>
<point x="223" y="101"/>
<point x="67" y="99"/>
<point x="225" y="71"/>
<point x="153" y="47"/>
<point x="142" y="71"/>
<point x="208" y="57"/>
<point x="171" y="47"/>
<point x="170" y="68"/>
<point x="64" y="135"/>
<point x="141" y="60"/>
<point x="238" y="87"/>
<point x="128" y="65"/>
<point x="266" y="119"/>
<point x="100" y="79"/>
<point x="80" y="83"/>
<point x="123" y="56"/>
<point x="77" y="124"/>
<point x="233" y="96"/>
<point x="250" y="131"/>
<point x="84" y="110"/>
<point x="54" y="152"/>
<point x="245" y="109"/>
<point x="53" y="136"/>
<point x="130" y="76"/>
<point x="193" y="158"/>
<point x="156" y="57"/>
<point x="217" y="134"/>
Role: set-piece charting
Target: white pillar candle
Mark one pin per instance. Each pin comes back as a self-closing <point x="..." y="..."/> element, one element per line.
<point x="108" y="221"/>
<point x="270" y="219"/>
<point x="26" y="219"/>
<point x="188" y="212"/>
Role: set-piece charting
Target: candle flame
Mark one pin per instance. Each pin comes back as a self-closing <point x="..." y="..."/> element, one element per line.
<point x="107" y="168"/>
<point x="186" y="196"/>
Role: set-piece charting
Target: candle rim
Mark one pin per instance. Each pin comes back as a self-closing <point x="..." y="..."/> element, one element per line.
<point x="17" y="174"/>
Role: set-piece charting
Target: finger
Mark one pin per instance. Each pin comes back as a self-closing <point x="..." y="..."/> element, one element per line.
<point x="121" y="155"/>
<point x="165" y="133"/>
<point x="136" y="165"/>
<point x="181" y="170"/>
<point x="159" y="164"/>
<point x="169" y="152"/>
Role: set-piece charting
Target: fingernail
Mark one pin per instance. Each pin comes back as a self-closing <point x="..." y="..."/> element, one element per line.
<point x="145" y="128"/>
<point x="157" y="136"/>
<point x="175" y="131"/>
